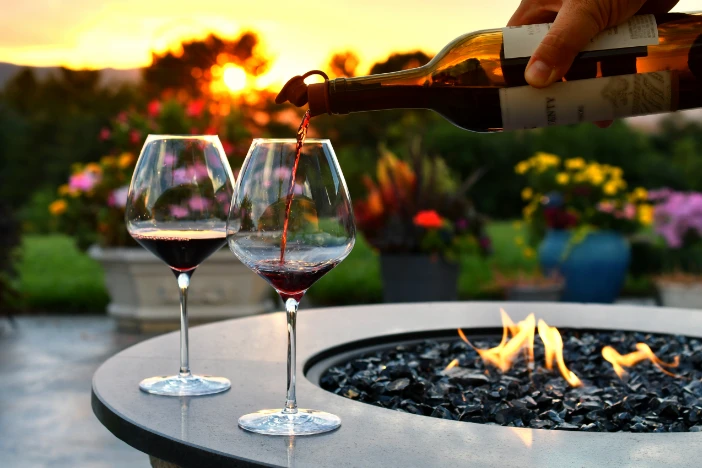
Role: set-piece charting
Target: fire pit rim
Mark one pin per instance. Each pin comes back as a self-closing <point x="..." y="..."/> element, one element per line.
<point x="251" y="352"/>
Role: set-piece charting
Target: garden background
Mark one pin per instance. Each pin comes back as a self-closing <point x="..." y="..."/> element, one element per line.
<point x="60" y="127"/>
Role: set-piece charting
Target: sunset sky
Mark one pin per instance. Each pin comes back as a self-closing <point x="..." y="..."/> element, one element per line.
<point x="298" y="35"/>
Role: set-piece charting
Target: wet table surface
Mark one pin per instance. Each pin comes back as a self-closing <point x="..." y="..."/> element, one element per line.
<point x="251" y="352"/>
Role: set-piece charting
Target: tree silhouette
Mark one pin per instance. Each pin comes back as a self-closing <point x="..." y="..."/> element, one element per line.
<point x="344" y="64"/>
<point x="190" y="68"/>
<point x="401" y="61"/>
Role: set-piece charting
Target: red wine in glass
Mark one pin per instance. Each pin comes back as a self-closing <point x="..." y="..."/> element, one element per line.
<point x="292" y="278"/>
<point x="301" y="135"/>
<point x="181" y="250"/>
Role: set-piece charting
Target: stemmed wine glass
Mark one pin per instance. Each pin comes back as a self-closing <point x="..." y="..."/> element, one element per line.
<point x="177" y="209"/>
<point x="290" y="223"/>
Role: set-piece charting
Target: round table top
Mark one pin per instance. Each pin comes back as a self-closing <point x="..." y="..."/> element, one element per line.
<point x="251" y="352"/>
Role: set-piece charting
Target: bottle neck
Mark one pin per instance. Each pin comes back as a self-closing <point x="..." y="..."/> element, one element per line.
<point x="396" y="90"/>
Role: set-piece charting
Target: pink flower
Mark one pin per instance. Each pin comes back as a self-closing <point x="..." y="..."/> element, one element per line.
<point x="195" y="108"/>
<point x="181" y="176"/>
<point x="629" y="212"/>
<point x="606" y="207"/>
<point x="199" y="171"/>
<point x="298" y="189"/>
<point x="122" y="117"/>
<point x="105" y="134"/>
<point x="224" y="198"/>
<point x="83" y="181"/>
<point x="154" y="108"/>
<point x="118" y="197"/>
<point x="198" y="203"/>
<point x="178" y="211"/>
<point x="282" y="173"/>
<point x="169" y="159"/>
<point x="135" y="137"/>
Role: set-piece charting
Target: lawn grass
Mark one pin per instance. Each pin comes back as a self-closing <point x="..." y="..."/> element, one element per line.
<point x="54" y="276"/>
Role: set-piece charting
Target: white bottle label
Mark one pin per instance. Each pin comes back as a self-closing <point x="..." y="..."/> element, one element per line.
<point x="590" y="100"/>
<point x="642" y="30"/>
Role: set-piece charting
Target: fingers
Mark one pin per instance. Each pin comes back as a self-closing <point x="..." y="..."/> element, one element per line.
<point x="576" y="23"/>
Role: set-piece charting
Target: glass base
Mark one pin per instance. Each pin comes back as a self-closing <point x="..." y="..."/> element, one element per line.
<point x="185" y="385"/>
<point x="275" y="422"/>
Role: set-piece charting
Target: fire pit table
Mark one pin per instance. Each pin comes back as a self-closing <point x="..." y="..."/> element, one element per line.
<point x="202" y="431"/>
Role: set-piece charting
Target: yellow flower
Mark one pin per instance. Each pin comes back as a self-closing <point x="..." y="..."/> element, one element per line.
<point x="64" y="189"/>
<point x="527" y="193"/>
<point x="562" y="178"/>
<point x="621" y="184"/>
<point x="616" y="172"/>
<point x="610" y="188"/>
<point x="126" y="160"/>
<point x="519" y="240"/>
<point x="574" y="164"/>
<point x="58" y="207"/>
<point x="645" y="214"/>
<point x="640" y="194"/>
<point x="522" y="167"/>
<point x="108" y="160"/>
<point x="528" y="252"/>
<point x="529" y="210"/>
<point x="93" y="167"/>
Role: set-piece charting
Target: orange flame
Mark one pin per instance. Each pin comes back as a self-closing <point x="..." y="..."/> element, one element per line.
<point x="451" y="365"/>
<point x="643" y="352"/>
<point x="503" y="355"/>
<point x="553" y="350"/>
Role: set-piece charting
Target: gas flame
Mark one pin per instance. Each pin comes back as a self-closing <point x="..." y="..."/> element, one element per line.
<point x="503" y="355"/>
<point x="643" y="352"/>
<point x="553" y="351"/>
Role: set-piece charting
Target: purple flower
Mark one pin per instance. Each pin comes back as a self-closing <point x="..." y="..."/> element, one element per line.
<point x="298" y="189"/>
<point x="198" y="203"/>
<point x="178" y="211"/>
<point x="462" y="224"/>
<point x="118" y="197"/>
<point x="169" y="159"/>
<point x="676" y="214"/>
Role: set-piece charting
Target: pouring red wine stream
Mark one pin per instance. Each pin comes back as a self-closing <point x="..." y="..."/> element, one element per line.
<point x="301" y="135"/>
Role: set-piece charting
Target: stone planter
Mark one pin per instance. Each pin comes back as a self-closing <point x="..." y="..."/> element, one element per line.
<point x="680" y="295"/>
<point x="418" y="278"/>
<point x="144" y="293"/>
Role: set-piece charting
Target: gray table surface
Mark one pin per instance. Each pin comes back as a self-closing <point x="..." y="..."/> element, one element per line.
<point x="202" y="431"/>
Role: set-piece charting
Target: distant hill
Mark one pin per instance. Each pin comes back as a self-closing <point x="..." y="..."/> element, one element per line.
<point x="108" y="75"/>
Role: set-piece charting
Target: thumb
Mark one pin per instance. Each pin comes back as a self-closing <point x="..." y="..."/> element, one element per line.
<point x="576" y="23"/>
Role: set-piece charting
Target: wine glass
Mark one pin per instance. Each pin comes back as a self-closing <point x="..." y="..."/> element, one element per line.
<point x="310" y="201"/>
<point x="177" y="209"/>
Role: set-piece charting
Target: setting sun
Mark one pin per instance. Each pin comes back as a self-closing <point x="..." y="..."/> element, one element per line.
<point x="234" y="77"/>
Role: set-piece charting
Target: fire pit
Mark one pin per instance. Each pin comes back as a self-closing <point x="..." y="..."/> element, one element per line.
<point x="574" y="382"/>
<point x="251" y="352"/>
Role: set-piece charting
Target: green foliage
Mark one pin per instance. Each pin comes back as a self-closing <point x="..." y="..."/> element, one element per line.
<point x="55" y="276"/>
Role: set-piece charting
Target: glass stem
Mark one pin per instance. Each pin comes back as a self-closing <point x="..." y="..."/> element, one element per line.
<point x="291" y="306"/>
<point x="183" y="283"/>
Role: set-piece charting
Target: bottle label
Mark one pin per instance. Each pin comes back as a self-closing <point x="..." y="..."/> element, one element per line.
<point x="590" y="100"/>
<point x="641" y="30"/>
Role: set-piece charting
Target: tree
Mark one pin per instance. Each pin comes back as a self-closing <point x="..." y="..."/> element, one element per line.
<point x="192" y="66"/>
<point x="344" y="64"/>
<point x="401" y="61"/>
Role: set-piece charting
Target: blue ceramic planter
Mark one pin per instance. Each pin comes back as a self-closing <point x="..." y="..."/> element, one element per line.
<point x="595" y="269"/>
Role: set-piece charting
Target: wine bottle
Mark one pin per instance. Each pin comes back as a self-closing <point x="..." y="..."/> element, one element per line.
<point x="650" y="64"/>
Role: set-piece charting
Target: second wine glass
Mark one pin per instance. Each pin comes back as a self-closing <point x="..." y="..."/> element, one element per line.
<point x="177" y="209"/>
<point x="291" y="222"/>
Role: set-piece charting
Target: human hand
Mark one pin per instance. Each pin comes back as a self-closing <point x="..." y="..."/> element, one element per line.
<point x="575" y="23"/>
